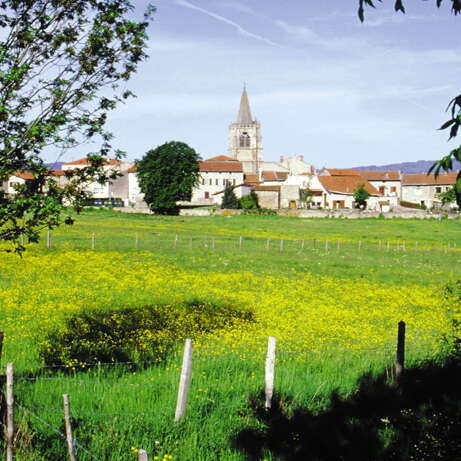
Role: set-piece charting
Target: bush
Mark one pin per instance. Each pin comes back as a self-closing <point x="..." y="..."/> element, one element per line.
<point x="249" y="202"/>
<point x="230" y="200"/>
<point x="133" y="334"/>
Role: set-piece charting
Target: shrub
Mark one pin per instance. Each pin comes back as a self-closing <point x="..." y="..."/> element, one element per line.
<point x="230" y="200"/>
<point x="136" y="333"/>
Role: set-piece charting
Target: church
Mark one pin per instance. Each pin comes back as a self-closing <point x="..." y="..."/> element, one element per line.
<point x="244" y="166"/>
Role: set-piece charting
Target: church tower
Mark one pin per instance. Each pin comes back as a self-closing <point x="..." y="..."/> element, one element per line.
<point x="245" y="142"/>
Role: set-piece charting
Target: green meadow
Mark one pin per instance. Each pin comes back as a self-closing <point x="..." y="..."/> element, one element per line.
<point x="107" y="326"/>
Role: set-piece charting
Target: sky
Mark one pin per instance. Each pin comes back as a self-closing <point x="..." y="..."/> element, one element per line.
<point x="322" y="84"/>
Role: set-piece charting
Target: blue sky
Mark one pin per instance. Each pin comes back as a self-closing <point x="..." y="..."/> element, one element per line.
<point x="321" y="83"/>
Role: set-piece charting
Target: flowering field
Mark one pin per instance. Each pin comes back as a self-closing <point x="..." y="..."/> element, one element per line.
<point x="334" y="314"/>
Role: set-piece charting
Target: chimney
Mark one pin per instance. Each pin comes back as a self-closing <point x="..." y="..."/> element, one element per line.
<point x="282" y="158"/>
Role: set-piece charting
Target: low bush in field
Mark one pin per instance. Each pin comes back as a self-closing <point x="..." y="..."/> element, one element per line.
<point x="134" y="334"/>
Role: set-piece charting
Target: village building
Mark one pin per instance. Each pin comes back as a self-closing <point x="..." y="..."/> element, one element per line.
<point x="424" y="190"/>
<point x="215" y="174"/>
<point x="115" y="189"/>
<point x="296" y="165"/>
<point x="387" y="182"/>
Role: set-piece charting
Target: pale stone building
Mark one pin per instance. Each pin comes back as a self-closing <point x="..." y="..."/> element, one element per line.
<point x="296" y="165"/>
<point x="245" y="142"/>
<point x="215" y="173"/>
<point x="423" y="189"/>
<point x="387" y="182"/>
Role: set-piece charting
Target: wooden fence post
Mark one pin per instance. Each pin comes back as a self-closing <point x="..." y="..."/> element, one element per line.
<point x="92" y="241"/>
<point x="268" y="243"/>
<point x="190" y="243"/>
<point x="360" y="245"/>
<point x="9" y="412"/>
<point x="416" y="245"/>
<point x="1" y="343"/>
<point x="398" y="245"/>
<point x="425" y="246"/>
<point x="212" y="243"/>
<point x="184" y="382"/>
<point x="48" y="239"/>
<point x="339" y="245"/>
<point x="403" y="245"/>
<point x="388" y="245"/>
<point x="142" y="455"/>
<point x="448" y="246"/>
<point x="136" y="242"/>
<point x="270" y="371"/>
<point x="302" y="245"/>
<point x="281" y="245"/>
<point x="454" y="246"/>
<point x="400" y="363"/>
<point x="326" y="245"/>
<point x="70" y="440"/>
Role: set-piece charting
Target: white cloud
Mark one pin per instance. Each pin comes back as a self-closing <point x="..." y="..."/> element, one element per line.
<point x="242" y="31"/>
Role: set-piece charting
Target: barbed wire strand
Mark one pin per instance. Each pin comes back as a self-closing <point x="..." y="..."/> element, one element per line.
<point x="57" y="431"/>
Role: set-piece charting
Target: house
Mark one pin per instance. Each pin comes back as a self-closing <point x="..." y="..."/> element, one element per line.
<point x="387" y="182"/>
<point x="215" y="173"/>
<point x="18" y="178"/>
<point x="113" y="189"/>
<point x="296" y="165"/>
<point x="423" y="189"/>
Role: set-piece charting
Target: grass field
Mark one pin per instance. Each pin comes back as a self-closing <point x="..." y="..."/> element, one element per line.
<point x="334" y="314"/>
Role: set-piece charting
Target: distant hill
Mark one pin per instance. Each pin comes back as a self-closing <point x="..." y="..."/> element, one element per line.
<point x="420" y="166"/>
<point x="54" y="166"/>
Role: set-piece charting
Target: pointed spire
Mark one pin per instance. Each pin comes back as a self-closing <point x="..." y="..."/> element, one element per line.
<point x="244" y="116"/>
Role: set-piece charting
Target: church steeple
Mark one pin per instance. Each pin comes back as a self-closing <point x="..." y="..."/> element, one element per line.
<point x="244" y="117"/>
<point x="245" y="143"/>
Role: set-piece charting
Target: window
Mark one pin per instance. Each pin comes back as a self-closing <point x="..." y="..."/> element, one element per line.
<point x="244" y="140"/>
<point x="223" y="182"/>
<point x="381" y="190"/>
<point x="393" y="189"/>
<point x="211" y="182"/>
<point x="438" y="190"/>
<point x="233" y="182"/>
<point x="216" y="181"/>
<point x="203" y="181"/>
<point x="207" y="195"/>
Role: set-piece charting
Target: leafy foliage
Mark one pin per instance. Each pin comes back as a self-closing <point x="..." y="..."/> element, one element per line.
<point x="361" y="195"/>
<point x="144" y="333"/>
<point x="167" y="175"/>
<point x="454" y="106"/>
<point x="61" y="64"/>
<point x="230" y="200"/>
<point x="249" y="202"/>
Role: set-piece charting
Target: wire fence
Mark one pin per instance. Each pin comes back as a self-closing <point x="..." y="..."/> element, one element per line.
<point x="156" y="240"/>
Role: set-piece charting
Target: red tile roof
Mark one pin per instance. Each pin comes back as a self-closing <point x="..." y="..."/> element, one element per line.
<point x="24" y="175"/>
<point x="133" y="169"/>
<point x="221" y="158"/>
<point x="339" y="172"/>
<point x="380" y="175"/>
<point x="274" y="175"/>
<point x="429" y="180"/>
<point x="267" y="188"/>
<point x="346" y="184"/>
<point x="252" y="179"/>
<point x="84" y="161"/>
<point x="221" y="165"/>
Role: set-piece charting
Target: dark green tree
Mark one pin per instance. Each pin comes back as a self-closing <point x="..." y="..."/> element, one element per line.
<point x="361" y="195"/>
<point x="61" y="66"/>
<point x="167" y="175"/>
<point x="230" y="200"/>
<point x="454" y="106"/>
<point x="250" y="201"/>
<point x="450" y="196"/>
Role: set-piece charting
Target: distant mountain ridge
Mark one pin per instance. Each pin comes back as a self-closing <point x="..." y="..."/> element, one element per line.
<point x="55" y="165"/>
<point x="420" y="166"/>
